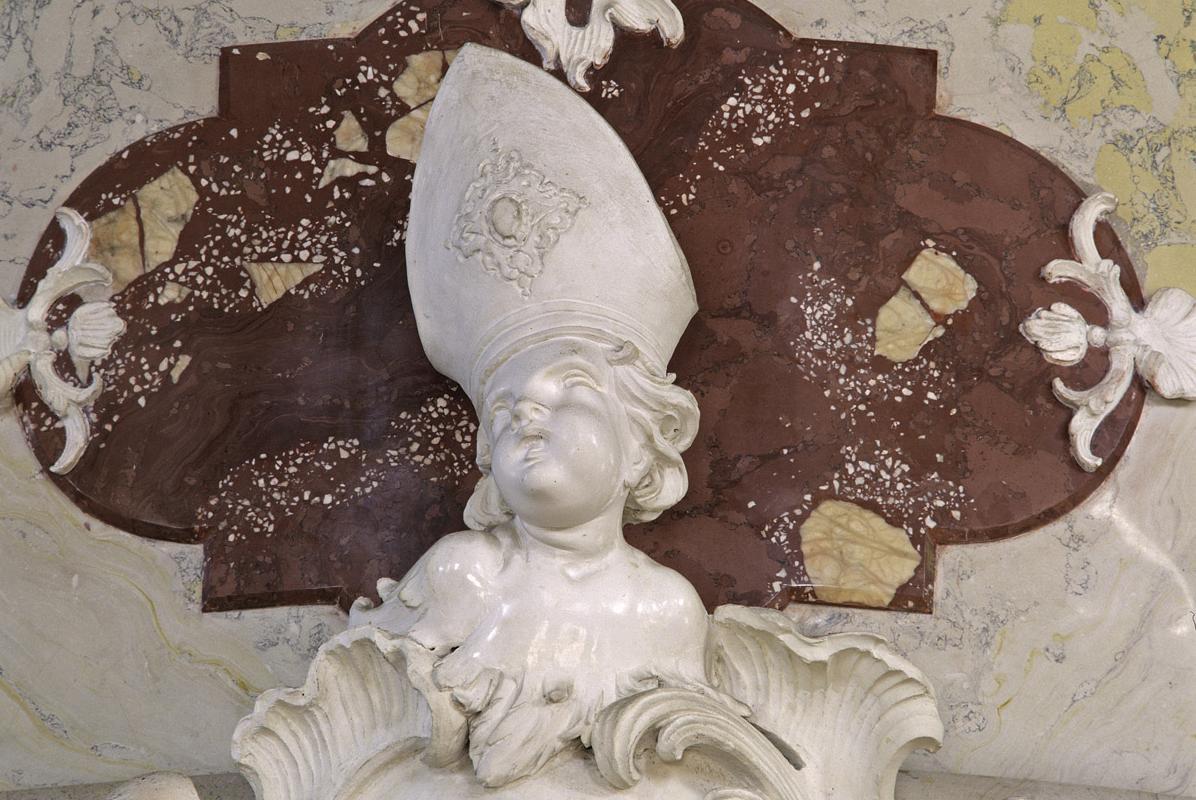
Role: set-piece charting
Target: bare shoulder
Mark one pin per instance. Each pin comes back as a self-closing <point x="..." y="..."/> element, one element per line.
<point x="441" y="598"/>
<point x="667" y="585"/>
<point x="460" y="556"/>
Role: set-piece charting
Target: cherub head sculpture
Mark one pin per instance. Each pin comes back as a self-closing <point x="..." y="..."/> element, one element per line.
<point x="575" y="427"/>
<point x="547" y="283"/>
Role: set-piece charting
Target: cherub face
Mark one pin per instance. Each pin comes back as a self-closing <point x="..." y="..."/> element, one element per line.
<point x="560" y="441"/>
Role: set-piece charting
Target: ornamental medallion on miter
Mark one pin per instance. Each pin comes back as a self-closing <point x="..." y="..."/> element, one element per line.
<point x="511" y="218"/>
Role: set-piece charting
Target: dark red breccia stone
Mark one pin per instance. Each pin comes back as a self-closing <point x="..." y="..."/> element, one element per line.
<point x="312" y="449"/>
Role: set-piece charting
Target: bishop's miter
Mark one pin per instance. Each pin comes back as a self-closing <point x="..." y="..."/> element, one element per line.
<point x="530" y="218"/>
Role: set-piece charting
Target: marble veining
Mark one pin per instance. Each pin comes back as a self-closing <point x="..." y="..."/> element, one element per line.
<point x="1087" y="623"/>
<point x="107" y="666"/>
<point x="1079" y="639"/>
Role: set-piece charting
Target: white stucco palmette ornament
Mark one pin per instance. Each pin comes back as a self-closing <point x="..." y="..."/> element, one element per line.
<point x="536" y="654"/>
<point x="29" y="344"/>
<point x="576" y="49"/>
<point x="1158" y="342"/>
<point x="511" y="218"/>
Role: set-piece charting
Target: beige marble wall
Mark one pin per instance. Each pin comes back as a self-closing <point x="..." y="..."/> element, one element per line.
<point x="1067" y="654"/>
<point x="1063" y="655"/>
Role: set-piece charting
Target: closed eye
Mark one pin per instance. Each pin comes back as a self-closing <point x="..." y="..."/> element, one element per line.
<point x="499" y="413"/>
<point x="576" y="377"/>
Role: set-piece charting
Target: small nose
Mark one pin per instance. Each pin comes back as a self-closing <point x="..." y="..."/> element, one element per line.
<point x="525" y="413"/>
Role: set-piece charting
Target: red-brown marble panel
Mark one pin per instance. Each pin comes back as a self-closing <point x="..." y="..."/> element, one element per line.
<point x="311" y="449"/>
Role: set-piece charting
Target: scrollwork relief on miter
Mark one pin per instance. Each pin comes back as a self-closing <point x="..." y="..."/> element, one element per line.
<point x="510" y="217"/>
<point x="28" y="343"/>
<point x="1158" y="342"/>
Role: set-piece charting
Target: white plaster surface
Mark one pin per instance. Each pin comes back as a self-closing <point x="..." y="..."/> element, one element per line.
<point x="1065" y="655"/>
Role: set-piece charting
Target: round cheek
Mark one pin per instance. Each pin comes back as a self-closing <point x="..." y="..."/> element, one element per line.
<point x="589" y="444"/>
<point x="504" y="455"/>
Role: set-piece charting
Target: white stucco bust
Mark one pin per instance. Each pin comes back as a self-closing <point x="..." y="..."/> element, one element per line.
<point x="524" y="297"/>
<point x="545" y="607"/>
<point x="537" y="654"/>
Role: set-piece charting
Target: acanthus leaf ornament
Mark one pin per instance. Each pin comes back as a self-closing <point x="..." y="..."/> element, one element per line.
<point x="1159" y="343"/>
<point x="578" y="49"/>
<point x="1060" y="332"/>
<point x="368" y="694"/>
<point x="28" y="343"/>
<point x="783" y="716"/>
<point x="846" y="706"/>
<point x="678" y="720"/>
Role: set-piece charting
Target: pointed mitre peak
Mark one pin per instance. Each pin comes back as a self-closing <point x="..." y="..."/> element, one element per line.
<point x="530" y="218"/>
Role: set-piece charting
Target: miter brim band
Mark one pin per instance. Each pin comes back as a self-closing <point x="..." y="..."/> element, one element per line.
<point x="550" y="319"/>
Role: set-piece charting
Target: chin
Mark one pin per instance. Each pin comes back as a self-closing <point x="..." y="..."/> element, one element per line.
<point x="565" y="518"/>
<point x="544" y="485"/>
<point x="550" y="500"/>
<point x="561" y="513"/>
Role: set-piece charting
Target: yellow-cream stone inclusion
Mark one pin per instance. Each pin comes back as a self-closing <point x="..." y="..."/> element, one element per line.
<point x="116" y="244"/>
<point x="273" y="279"/>
<point x="166" y="206"/>
<point x="903" y="326"/>
<point x="853" y="556"/>
<point x="941" y="283"/>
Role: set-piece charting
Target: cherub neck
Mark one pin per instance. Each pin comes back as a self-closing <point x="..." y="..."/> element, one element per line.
<point x="588" y="543"/>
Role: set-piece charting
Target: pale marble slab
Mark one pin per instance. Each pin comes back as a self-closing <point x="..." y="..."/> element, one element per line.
<point x="107" y="666"/>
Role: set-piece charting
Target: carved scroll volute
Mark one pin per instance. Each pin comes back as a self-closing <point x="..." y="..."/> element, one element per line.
<point x="28" y="344"/>
<point x="681" y="720"/>
<point x="810" y="718"/>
